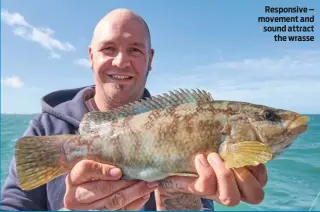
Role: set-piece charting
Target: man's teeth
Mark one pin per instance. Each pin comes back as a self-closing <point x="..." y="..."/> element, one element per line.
<point x="119" y="77"/>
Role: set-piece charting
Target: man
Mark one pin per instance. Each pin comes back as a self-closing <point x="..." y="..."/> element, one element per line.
<point x="121" y="56"/>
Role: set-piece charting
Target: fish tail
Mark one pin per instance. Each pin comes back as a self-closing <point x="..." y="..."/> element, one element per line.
<point x="40" y="159"/>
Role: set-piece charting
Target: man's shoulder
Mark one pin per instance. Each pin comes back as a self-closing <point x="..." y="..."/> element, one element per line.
<point x="49" y="124"/>
<point x="62" y="109"/>
<point x="65" y="108"/>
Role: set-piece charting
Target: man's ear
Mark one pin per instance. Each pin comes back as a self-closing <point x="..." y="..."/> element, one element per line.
<point x="151" y="54"/>
<point x="90" y="56"/>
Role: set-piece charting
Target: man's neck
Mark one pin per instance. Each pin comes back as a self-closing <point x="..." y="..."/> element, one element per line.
<point x="101" y="104"/>
<point x="91" y="105"/>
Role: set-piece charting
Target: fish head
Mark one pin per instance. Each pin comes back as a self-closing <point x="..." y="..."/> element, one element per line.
<point x="276" y="128"/>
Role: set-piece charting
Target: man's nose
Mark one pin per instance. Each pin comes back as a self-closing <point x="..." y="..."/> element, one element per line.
<point x="121" y="60"/>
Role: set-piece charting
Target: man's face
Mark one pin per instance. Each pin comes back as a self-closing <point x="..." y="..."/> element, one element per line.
<point x="120" y="58"/>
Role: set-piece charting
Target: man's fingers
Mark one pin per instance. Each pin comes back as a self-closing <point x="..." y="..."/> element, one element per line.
<point x="87" y="170"/>
<point x="124" y="197"/>
<point x="216" y="181"/>
<point x="260" y="173"/>
<point x="251" y="190"/>
<point x="206" y="184"/>
<point x="227" y="190"/>
<point x="95" y="190"/>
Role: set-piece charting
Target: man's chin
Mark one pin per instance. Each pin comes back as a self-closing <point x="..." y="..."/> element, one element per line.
<point x="125" y="94"/>
<point x="116" y="89"/>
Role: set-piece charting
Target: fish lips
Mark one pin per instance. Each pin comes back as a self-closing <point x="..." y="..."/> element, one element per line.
<point x="299" y="125"/>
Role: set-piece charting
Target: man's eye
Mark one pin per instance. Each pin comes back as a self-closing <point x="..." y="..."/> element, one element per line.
<point x="108" y="49"/>
<point x="134" y="50"/>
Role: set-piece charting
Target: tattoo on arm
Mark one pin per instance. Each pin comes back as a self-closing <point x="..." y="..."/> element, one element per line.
<point x="174" y="200"/>
<point x="182" y="202"/>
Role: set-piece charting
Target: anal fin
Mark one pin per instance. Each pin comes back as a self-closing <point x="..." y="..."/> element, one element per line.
<point x="183" y="174"/>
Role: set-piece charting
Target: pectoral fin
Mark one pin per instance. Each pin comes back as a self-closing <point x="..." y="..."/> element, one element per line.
<point x="246" y="153"/>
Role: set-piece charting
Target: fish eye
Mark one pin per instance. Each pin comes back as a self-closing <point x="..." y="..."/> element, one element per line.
<point x="269" y="115"/>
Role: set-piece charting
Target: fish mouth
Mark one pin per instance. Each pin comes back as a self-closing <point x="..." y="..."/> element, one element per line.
<point x="299" y="125"/>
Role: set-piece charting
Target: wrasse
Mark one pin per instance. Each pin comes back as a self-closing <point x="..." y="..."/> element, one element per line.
<point x="157" y="137"/>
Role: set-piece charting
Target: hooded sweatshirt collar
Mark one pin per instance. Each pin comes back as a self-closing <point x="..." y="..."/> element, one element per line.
<point x="69" y="104"/>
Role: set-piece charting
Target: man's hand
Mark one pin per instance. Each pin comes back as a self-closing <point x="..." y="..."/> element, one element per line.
<point x="218" y="183"/>
<point x="96" y="186"/>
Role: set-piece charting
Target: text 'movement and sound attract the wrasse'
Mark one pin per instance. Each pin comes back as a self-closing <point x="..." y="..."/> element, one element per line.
<point x="289" y="23"/>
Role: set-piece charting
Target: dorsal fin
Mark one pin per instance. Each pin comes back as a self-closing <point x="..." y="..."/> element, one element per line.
<point x="171" y="99"/>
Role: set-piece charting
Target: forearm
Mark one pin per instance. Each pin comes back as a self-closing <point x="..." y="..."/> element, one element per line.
<point x="178" y="201"/>
<point x="176" y="195"/>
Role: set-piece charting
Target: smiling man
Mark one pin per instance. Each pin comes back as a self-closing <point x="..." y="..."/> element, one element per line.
<point x="121" y="56"/>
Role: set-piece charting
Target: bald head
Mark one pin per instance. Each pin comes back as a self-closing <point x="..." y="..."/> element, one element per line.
<point x="121" y="17"/>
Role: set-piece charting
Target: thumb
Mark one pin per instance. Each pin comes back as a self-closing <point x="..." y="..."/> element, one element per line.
<point x="87" y="170"/>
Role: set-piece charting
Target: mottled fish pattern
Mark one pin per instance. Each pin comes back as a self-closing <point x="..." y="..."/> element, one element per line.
<point x="160" y="136"/>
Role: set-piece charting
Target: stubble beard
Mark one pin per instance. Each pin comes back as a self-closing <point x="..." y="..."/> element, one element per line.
<point x="110" y="95"/>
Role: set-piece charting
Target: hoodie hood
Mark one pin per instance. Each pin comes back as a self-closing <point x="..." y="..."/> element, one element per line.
<point x="69" y="104"/>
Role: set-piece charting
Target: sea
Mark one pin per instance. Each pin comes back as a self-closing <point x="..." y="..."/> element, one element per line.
<point x="293" y="178"/>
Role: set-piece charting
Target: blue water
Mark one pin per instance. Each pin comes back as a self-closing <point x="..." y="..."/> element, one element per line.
<point x="294" y="178"/>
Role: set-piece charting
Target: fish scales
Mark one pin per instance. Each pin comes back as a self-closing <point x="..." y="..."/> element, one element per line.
<point x="158" y="137"/>
<point x="169" y="143"/>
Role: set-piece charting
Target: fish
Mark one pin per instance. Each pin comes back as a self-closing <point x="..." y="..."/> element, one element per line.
<point x="157" y="137"/>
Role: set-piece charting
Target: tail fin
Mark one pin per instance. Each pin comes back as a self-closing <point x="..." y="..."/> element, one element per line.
<point x="40" y="159"/>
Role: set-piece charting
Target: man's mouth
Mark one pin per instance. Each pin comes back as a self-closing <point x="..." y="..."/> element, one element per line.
<point x="119" y="77"/>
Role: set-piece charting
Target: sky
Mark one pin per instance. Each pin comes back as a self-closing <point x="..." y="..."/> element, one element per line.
<point x="218" y="46"/>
